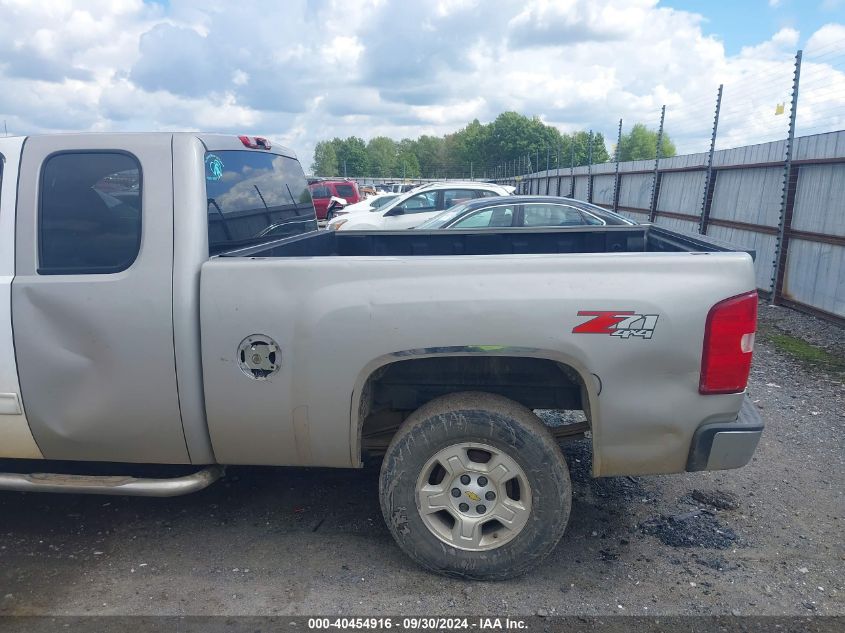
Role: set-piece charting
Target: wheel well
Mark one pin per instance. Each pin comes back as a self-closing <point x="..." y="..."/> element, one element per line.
<point x="394" y="391"/>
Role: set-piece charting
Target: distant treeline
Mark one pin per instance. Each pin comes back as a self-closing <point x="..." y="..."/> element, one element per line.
<point x="480" y="150"/>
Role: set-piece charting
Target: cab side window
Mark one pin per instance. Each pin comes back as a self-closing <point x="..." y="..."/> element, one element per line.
<point x="486" y="218"/>
<point x="451" y="197"/>
<point x="552" y="215"/>
<point x="89" y="215"/>
<point x="421" y="203"/>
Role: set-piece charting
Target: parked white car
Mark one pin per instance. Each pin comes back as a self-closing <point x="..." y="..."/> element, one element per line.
<point x="415" y="207"/>
<point x="367" y="204"/>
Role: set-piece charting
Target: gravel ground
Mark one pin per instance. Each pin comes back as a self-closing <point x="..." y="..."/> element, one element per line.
<point x="823" y="334"/>
<point x="763" y="540"/>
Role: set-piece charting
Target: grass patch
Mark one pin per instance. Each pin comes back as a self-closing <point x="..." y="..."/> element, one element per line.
<point x="803" y="351"/>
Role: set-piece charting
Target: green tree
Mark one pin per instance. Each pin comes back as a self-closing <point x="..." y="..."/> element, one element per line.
<point x="381" y="156"/>
<point x="351" y="156"/>
<point x="325" y="159"/>
<point x="581" y="141"/>
<point x="477" y="148"/>
<point x="641" y="143"/>
<point x="430" y="152"/>
<point x="468" y="147"/>
<point x="407" y="164"/>
<point x="513" y="136"/>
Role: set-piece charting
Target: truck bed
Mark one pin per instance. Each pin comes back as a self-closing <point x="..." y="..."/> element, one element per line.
<point x="544" y="240"/>
<point x="348" y="310"/>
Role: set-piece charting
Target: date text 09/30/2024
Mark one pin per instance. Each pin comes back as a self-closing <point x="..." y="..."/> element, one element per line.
<point x="418" y="623"/>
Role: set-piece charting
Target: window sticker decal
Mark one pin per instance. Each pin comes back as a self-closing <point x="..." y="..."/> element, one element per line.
<point x="213" y="167"/>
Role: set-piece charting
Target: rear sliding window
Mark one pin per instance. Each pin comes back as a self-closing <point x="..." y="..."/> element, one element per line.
<point x="255" y="197"/>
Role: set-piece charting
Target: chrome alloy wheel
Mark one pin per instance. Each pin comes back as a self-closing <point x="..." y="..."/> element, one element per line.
<point x="473" y="496"/>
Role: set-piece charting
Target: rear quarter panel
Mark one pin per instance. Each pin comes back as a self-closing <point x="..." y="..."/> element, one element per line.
<point x="337" y="319"/>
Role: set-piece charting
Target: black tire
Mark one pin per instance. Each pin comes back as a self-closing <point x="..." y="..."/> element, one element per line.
<point x="492" y="420"/>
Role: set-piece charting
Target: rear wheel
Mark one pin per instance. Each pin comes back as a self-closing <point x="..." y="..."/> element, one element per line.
<point x="473" y="485"/>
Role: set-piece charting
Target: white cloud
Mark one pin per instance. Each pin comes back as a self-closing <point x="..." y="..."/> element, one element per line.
<point x="343" y="50"/>
<point x="828" y="40"/>
<point x="319" y="68"/>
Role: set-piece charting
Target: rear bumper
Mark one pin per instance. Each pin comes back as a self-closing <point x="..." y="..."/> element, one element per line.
<point x="724" y="445"/>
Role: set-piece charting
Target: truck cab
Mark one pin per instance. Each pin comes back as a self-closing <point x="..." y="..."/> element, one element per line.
<point x="105" y="252"/>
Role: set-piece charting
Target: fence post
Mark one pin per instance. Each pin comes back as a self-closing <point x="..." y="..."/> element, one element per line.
<point x="616" y="178"/>
<point x="590" y="168"/>
<point x="655" y="180"/>
<point x="709" y="180"/>
<point x="557" y="160"/>
<point x="528" y="168"/>
<point x="787" y="199"/>
<point x="522" y="171"/>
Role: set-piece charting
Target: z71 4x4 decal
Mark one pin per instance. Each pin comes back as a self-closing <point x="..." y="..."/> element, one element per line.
<point x="621" y="323"/>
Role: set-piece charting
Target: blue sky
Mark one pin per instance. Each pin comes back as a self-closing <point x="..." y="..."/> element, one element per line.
<point x="747" y="22"/>
<point x="300" y="71"/>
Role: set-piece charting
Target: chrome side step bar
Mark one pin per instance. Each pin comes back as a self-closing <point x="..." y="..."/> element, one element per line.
<point x="111" y="484"/>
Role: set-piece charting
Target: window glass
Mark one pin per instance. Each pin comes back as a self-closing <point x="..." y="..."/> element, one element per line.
<point x="451" y="197"/>
<point x="603" y="215"/>
<point x="552" y="215"/>
<point x="345" y="191"/>
<point x="443" y="218"/>
<point x="490" y="217"/>
<point x="487" y="194"/>
<point x="89" y="214"/>
<point x="421" y="203"/>
<point x="377" y="202"/>
<point x="591" y="219"/>
<point x="255" y="196"/>
<point x="321" y="192"/>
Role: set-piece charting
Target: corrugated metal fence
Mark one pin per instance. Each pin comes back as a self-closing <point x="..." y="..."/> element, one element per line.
<point x="742" y="205"/>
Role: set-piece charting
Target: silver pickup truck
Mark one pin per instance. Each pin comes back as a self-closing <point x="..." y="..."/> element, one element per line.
<point x="168" y="299"/>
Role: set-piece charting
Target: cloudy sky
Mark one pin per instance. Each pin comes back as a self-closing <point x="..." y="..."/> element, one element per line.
<point x="303" y="70"/>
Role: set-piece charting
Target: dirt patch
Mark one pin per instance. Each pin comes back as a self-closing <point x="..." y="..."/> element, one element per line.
<point x="804" y="352"/>
<point x="813" y="342"/>
<point x="719" y="499"/>
<point x="716" y="563"/>
<point x="691" y="529"/>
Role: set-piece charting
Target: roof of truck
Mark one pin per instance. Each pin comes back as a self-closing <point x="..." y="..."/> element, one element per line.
<point x="214" y="142"/>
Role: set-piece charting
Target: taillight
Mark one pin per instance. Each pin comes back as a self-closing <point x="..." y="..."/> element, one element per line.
<point x="256" y="142"/>
<point x="728" y="344"/>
